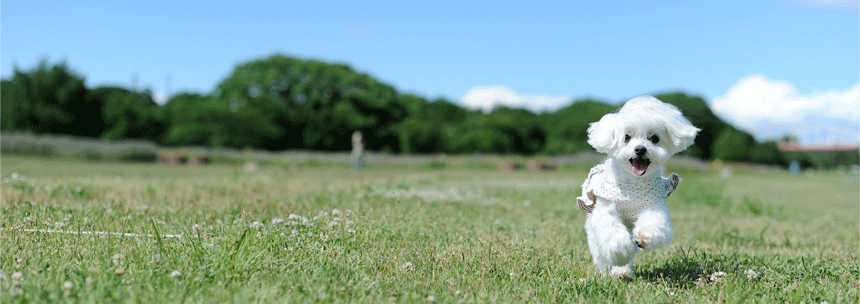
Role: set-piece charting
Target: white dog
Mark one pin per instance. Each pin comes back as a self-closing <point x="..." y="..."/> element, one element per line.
<point x="625" y="196"/>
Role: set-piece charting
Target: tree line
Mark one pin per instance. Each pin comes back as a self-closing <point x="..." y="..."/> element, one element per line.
<point x="280" y="103"/>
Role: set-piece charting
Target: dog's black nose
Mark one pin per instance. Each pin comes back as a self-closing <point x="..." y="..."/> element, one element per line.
<point x="640" y="150"/>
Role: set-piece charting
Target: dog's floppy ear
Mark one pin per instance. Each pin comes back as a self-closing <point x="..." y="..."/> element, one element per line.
<point x="681" y="131"/>
<point x="604" y="134"/>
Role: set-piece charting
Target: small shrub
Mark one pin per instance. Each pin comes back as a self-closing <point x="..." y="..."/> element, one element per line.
<point x="311" y="163"/>
<point x="437" y="164"/>
<point x="139" y="155"/>
<point x="91" y="155"/>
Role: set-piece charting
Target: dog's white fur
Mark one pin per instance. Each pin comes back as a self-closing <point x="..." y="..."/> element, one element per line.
<point x="612" y="240"/>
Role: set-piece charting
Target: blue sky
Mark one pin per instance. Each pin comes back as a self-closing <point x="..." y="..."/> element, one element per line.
<point x="748" y="59"/>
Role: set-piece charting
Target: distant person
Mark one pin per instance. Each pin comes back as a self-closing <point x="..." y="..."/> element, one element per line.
<point x="356" y="159"/>
<point x="794" y="168"/>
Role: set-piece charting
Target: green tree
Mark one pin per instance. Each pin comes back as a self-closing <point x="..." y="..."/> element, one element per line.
<point x="130" y="114"/>
<point x="429" y="127"/>
<point x="195" y="119"/>
<point x="733" y="145"/>
<point x="768" y="153"/>
<point x="9" y="111"/>
<point x="700" y="115"/>
<point x="567" y="128"/>
<point x="520" y="126"/>
<point x="318" y="105"/>
<point x="504" y="131"/>
<point x="49" y="99"/>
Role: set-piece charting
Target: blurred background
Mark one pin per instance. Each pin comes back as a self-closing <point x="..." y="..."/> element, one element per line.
<point x="770" y="83"/>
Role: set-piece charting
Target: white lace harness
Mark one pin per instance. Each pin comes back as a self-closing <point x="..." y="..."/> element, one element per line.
<point x="630" y="199"/>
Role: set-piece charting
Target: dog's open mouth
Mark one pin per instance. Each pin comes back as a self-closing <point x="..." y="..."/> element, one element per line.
<point x="640" y="165"/>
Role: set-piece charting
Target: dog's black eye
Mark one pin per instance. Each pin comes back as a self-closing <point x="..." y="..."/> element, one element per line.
<point x="626" y="138"/>
<point x="654" y="139"/>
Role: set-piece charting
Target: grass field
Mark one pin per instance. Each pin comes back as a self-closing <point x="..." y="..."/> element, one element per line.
<point x="448" y="236"/>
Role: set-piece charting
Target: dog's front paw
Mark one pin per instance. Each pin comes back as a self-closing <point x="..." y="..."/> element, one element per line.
<point x="621" y="272"/>
<point x="641" y="241"/>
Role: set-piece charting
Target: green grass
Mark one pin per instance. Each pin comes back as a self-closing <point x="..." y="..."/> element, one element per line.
<point x="406" y="236"/>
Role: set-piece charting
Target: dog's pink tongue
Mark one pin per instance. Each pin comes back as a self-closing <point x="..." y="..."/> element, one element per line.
<point x="639" y="167"/>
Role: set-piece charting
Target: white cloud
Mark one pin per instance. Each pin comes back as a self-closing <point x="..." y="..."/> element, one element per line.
<point x="355" y="30"/>
<point x="487" y="98"/>
<point x="755" y="102"/>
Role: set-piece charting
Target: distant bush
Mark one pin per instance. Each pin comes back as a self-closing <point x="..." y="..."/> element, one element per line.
<point x="437" y="164"/>
<point x="26" y="148"/>
<point x="90" y="155"/>
<point x="310" y="163"/>
<point x="139" y="155"/>
<point x="768" y="153"/>
<point x="733" y="145"/>
<point x="226" y="159"/>
<point x="482" y="165"/>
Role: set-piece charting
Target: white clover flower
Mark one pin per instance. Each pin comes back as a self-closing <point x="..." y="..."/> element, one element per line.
<point x="718" y="277"/>
<point x="700" y="283"/>
<point x="512" y="275"/>
<point x="195" y="228"/>
<point x="89" y="281"/>
<point x="175" y="274"/>
<point x="752" y="274"/>
<point x="118" y="258"/>
<point x="351" y="231"/>
<point x="17" y="276"/>
<point x="276" y="221"/>
<point x="68" y="285"/>
<point x="332" y="223"/>
<point x="256" y="224"/>
<point x="431" y="298"/>
<point x="335" y="212"/>
<point x="406" y="266"/>
<point x="19" y="260"/>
